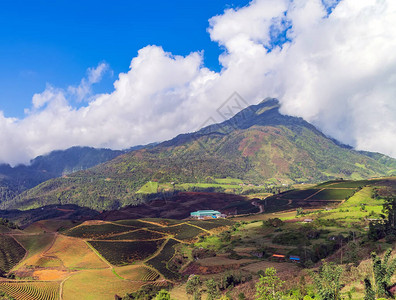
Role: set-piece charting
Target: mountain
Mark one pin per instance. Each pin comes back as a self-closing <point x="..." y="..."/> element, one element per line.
<point x="14" y="180"/>
<point x="258" y="146"/>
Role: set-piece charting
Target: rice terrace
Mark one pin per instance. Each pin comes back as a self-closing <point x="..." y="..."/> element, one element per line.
<point x="198" y="150"/>
<point x="59" y="259"/>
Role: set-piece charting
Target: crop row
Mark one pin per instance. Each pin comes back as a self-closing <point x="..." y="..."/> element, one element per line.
<point x="149" y="274"/>
<point x="97" y="231"/>
<point x="136" y="223"/>
<point x="140" y="235"/>
<point x="160" y="262"/>
<point x="11" y="252"/>
<point x="181" y="232"/>
<point x="31" y="290"/>
<point x="123" y="253"/>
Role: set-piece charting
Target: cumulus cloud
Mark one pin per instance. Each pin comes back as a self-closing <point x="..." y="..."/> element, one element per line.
<point x="332" y="63"/>
<point x="84" y="89"/>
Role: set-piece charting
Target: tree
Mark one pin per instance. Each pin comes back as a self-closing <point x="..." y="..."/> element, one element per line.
<point x="369" y="292"/>
<point x="327" y="281"/>
<point x="383" y="271"/>
<point x="299" y="211"/>
<point x="193" y="287"/>
<point x="268" y="287"/>
<point x="212" y="290"/>
<point x="389" y="207"/>
<point x="163" y="295"/>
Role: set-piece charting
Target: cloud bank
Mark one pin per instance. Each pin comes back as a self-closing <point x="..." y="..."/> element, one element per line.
<point x="332" y="63"/>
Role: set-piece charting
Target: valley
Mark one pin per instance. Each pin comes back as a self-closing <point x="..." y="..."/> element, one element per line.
<point x="117" y="255"/>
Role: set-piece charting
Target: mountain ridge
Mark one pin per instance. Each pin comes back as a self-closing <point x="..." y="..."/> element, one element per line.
<point x="258" y="145"/>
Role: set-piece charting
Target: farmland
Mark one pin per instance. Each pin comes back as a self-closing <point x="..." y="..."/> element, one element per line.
<point x="140" y="234"/>
<point x="160" y="262"/>
<point x="182" y="231"/>
<point x="122" y="252"/>
<point x="33" y="290"/>
<point x="122" y="256"/>
<point x="137" y="273"/>
<point x="97" y="284"/>
<point x="97" y="231"/>
<point x="11" y="252"/>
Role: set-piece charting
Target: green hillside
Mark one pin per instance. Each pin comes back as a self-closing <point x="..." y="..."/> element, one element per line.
<point x="258" y="146"/>
<point x="14" y="180"/>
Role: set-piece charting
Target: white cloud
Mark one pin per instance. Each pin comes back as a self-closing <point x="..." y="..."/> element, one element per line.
<point x="84" y="89"/>
<point x="337" y="70"/>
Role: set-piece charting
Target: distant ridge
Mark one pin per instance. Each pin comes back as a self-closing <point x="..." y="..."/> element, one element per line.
<point x="258" y="145"/>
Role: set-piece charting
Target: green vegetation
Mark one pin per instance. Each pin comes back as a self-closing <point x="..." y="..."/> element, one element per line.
<point x="160" y="261"/>
<point x="120" y="253"/>
<point x="140" y="234"/>
<point x="269" y="286"/>
<point x="327" y="282"/>
<point x="260" y="256"/>
<point x="11" y="252"/>
<point x="257" y="154"/>
<point x="334" y="194"/>
<point x="383" y="271"/>
<point x="136" y="223"/>
<point x="97" y="231"/>
<point x="209" y="225"/>
<point x="181" y="232"/>
<point x="150" y="187"/>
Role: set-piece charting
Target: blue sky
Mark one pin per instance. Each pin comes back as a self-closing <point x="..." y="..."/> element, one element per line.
<point x="66" y="80"/>
<point x="57" y="41"/>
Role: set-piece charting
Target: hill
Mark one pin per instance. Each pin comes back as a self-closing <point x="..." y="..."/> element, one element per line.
<point x="14" y="180"/>
<point x="135" y="258"/>
<point x="258" y="146"/>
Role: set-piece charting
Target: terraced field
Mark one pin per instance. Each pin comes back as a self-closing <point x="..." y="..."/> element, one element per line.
<point x="11" y="252"/>
<point x="333" y="194"/>
<point x="97" y="231"/>
<point x="182" y="231"/>
<point x="97" y="285"/>
<point x="136" y="223"/>
<point x="140" y="234"/>
<point x="34" y="290"/>
<point x="137" y="273"/>
<point x="160" y="262"/>
<point x="122" y="253"/>
<point x="208" y="225"/>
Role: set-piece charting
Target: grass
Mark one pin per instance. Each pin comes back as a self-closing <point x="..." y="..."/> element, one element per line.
<point x="137" y="273"/>
<point x="208" y="225"/>
<point x="210" y="242"/>
<point x="361" y="197"/>
<point x="150" y="187"/>
<point x="122" y="253"/>
<point x="97" y="285"/>
<point x="186" y="186"/>
<point x="75" y="253"/>
<point x="228" y="180"/>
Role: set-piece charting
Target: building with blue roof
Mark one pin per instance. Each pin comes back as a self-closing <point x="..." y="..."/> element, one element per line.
<point x="203" y="214"/>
